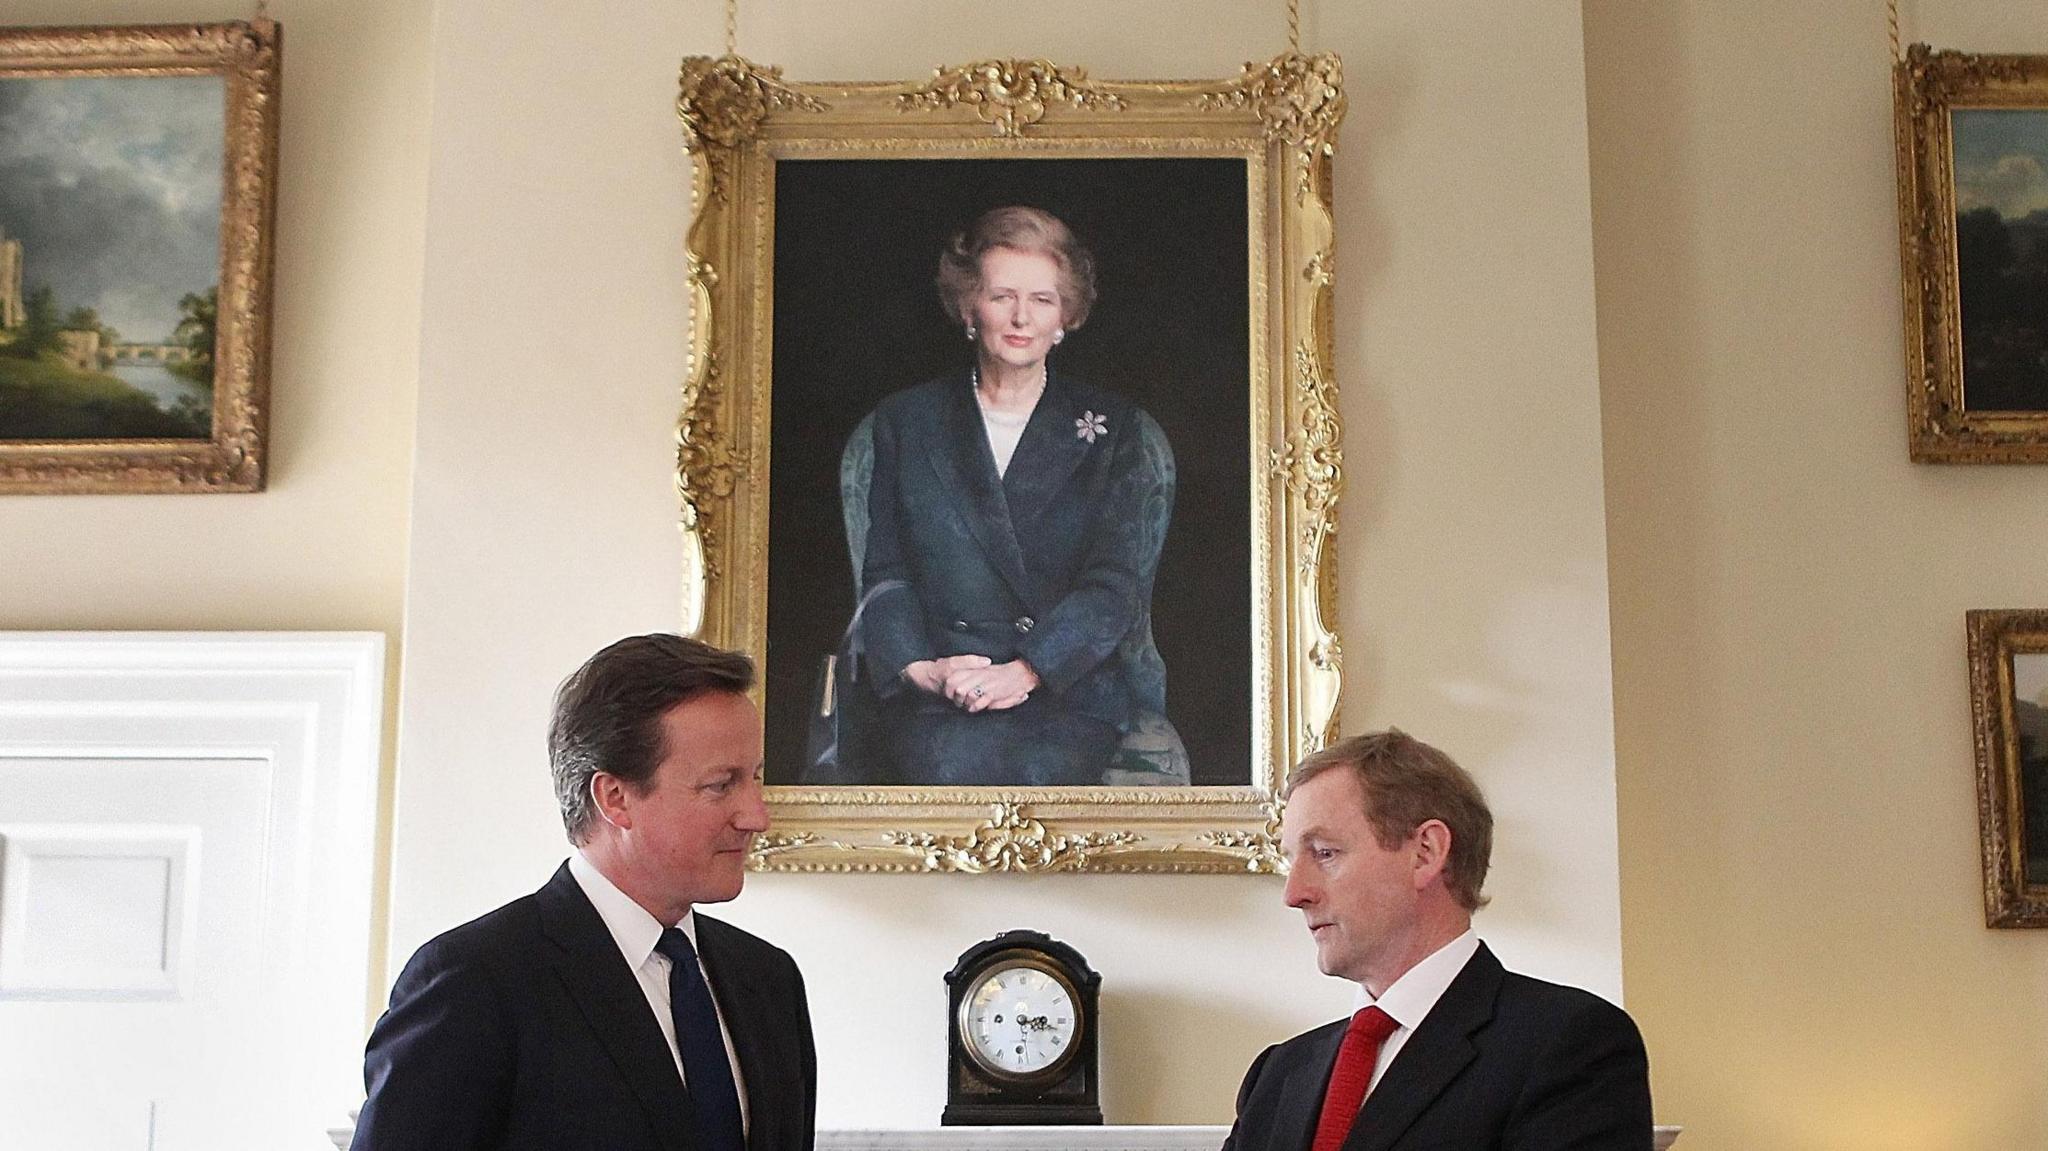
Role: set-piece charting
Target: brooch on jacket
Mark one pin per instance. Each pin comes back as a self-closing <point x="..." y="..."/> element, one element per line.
<point x="1089" y="425"/>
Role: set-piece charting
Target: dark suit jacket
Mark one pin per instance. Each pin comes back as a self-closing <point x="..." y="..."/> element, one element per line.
<point x="1046" y="563"/>
<point x="1502" y="1061"/>
<point x="526" y="1029"/>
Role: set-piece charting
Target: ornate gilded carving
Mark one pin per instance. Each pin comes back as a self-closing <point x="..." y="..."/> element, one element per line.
<point x="1299" y="99"/>
<point x="1009" y="840"/>
<point x="709" y="462"/>
<point x="1321" y="269"/>
<point x="1010" y="95"/>
<point x="1260" y="849"/>
<point x="768" y="845"/>
<point x="1939" y="76"/>
<point x="724" y="99"/>
<point x="1312" y="459"/>
<point x="246" y="56"/>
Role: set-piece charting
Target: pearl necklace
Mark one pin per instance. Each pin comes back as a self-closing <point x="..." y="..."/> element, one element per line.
<point x="974" y="382"/>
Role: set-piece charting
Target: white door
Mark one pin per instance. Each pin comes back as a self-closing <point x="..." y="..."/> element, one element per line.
<point x="131" y="954"/>
<point x="184" y="892"/>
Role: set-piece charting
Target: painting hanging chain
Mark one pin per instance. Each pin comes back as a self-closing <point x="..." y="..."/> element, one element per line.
<point x="732" y="27"/>
<point x="1891" y="17"/>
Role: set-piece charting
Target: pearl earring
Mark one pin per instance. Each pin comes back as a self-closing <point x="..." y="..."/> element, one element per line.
<point x="971" y="333"/>
<point x="1059" y="335"/>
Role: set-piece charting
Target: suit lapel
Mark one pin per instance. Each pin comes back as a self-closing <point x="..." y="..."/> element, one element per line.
<point x="1301" y="1098"/>
<point x="1431" y="1058"/>
<point x="1047" y="454"/>
<point x="749" y="1011"/>
<point x="967" y="469"/>
<point x="605" y="990"/>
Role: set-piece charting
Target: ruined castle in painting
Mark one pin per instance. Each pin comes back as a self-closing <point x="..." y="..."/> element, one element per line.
<point x="13" y="313"/>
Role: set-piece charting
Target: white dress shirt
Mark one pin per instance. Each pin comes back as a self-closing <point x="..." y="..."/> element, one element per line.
<point x="636" y="933"/>
<point x="1410" y="998"/>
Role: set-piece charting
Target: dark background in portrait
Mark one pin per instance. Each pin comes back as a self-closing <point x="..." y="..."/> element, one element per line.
<point x="856" y="317"/>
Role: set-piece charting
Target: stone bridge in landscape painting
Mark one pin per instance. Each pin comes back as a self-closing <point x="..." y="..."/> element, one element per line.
<point x="159" y="353"/>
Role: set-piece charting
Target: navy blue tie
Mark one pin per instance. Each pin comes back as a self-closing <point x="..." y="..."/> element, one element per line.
<point x="705" y="1068"/>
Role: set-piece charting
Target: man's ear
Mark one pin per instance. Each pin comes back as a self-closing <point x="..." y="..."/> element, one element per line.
<point x="609" y="794"/>
<point x="1432" y="851"/>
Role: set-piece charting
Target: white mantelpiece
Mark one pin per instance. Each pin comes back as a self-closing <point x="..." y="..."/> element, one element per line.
<point x="1105" y="1138"/>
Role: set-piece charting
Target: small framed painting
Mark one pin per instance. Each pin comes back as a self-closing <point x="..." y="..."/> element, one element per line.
<point x="137" y="189"/>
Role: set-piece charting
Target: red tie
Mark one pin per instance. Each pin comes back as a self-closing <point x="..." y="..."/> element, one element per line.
<point x="1352" y="1075"/>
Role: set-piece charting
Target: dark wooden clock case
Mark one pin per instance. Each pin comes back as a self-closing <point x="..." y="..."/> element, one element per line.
<point x="1070" y="1094"/>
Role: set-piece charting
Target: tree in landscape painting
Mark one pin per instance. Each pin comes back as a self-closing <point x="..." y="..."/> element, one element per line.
<point x="110" y="203"/>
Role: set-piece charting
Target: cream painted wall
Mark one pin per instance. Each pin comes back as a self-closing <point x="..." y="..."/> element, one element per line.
<point x="1475" y="598"/>
<point x="324" y="547"/>
<point x="1804" y="929"/>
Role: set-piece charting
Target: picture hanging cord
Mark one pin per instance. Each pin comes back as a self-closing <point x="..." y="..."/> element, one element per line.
<point x="1294" y="26"/>
<point x="1891" y="11"/>
<point x="732" y="27"/>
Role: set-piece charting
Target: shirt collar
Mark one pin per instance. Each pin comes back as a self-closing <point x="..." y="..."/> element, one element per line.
<point x="633" y="930"/>
<point x="1409" y="999"/>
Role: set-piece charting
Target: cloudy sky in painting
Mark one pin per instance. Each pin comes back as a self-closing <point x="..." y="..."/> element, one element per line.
<point x="113" y="187"/>
<point x="2001" y="160"/>
<point x="2030" y="677"/>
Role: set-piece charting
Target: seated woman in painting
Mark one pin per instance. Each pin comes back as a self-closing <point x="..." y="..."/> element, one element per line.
<point x="1015" y="520"/>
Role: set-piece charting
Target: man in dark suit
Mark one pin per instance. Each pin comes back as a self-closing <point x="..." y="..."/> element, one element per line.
<point x="602" y="1011"/>
<point x="1388" y="841"/>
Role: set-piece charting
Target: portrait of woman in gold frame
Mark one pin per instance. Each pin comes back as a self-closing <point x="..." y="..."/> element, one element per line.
<point x="1013" y="136"/>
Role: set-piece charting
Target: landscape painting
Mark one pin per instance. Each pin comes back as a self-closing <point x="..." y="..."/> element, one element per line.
<point x="138" y="194"/>
<point x="2009" y="715"/>
<point x="1972" y="143"/>
<point x="110" y="256"/>
<point x="2001" y="183"/>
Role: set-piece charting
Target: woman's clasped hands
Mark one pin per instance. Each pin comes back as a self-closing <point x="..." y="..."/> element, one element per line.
<point x="973" y="682"/>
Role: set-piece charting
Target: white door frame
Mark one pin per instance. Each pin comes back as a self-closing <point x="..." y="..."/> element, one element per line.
<point x="306" y="708"/>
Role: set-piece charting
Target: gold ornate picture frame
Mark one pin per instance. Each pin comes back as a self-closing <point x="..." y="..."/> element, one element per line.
<point x="1972" y="143"/>
<point x="2009" y="707"/>
<point x="137" y="203"/>
<point x="820" y="210"/>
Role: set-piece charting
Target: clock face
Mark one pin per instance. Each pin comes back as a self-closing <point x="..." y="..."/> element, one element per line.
<point x="1019" y="1020"/>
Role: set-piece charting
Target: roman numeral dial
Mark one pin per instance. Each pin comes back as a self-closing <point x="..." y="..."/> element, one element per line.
<point x="1020" y="1020"/>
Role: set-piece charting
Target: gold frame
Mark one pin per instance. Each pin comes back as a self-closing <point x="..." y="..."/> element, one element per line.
<point x="1926" y="86"/>
<point x="1995" y="637"/>
<point x="1282" y="118"/>
<point x="248" y="56"/>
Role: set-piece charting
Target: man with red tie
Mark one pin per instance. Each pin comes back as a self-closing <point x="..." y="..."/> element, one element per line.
<point x="1387" y="842"/>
